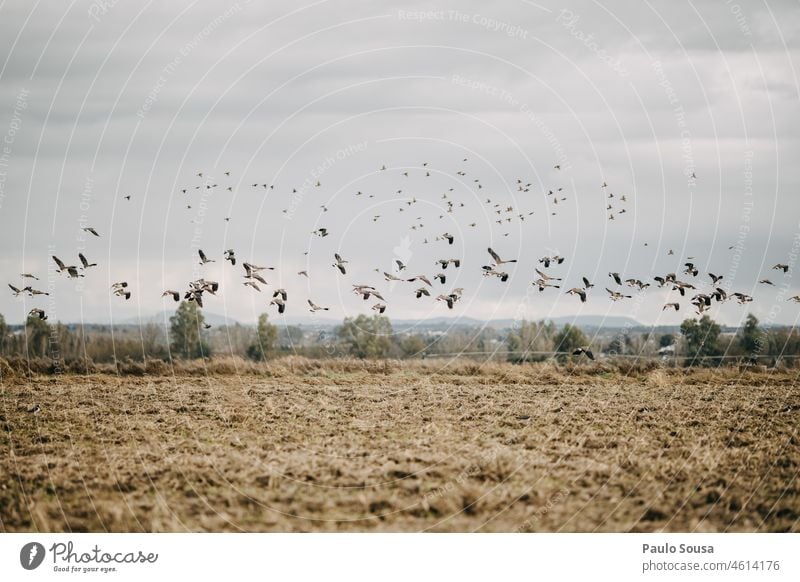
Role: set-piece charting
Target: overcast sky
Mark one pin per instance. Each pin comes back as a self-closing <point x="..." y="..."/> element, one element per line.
<point x="108" y="99"/>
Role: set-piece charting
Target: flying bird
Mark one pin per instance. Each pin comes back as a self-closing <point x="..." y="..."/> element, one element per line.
<point x="203" y="258"/>
<point x="340" y="263"/>
<point x="176" y="296"/>
<point x="86" y="264"/>
<point x="36" y="312"/>
<point x="586" y="351"/>
<point x="497" y="258"/>
<point x="314" y="307"/>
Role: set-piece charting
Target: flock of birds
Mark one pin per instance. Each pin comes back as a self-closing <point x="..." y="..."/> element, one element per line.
<point x="688" y="283"/>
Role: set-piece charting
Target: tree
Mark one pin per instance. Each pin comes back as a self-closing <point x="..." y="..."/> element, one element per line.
<point x="367" y="337"/>
<point x="37" y="336"/>
<point x="530" y="337"/>
<point x="569" y="338"/>
<point x="3" y="334"/>
<point x="290" y="336"/>
<point x="186" y="331"/>
<point x="702" y="339"/>
<point x="665" y="340"/>
<point x="751" y="337"/>
<point x="266" y="336"/>
<point x="413" y="345"/>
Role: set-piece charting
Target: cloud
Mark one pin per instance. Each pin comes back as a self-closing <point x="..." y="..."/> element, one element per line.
<point x="137" y="99"/>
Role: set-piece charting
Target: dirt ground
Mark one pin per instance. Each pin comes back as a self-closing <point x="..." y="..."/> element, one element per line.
<point x="402" y="448"/>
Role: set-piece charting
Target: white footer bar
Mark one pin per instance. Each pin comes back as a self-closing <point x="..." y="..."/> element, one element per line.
<point x="406" y="557"/>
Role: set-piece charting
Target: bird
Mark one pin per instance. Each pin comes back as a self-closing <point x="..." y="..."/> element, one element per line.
<point x="580" y="292"/>
<point x="616" y="295"/>
<point x="542" y="284"/>
<point x="441" y="277"/>
<point x="719" y="294"/>
<point x="16" y="291"/>
<point x="715" y="279"/>
<point x="616" y="278"/>
<point x="314" y="307"/>
<point x="781" y="267"/>
<point x="681" y="287"/>
<point x="176" y="296"/>
<point x="795" y="298"/>
<point x="450" y="299"/>
<point x="391" y="277"/>
<point x="195" y="295"/>
<point x="70" y="270"/>
<point x="250" y="268"/>
<point x="254" y="275"/>
<point x="585" y="351"/>
<point x="502" y="275"/>
<point x="422" y="278"/>
<point x="281" y="293"/>
<point x="280" y="303"/>
<point x="203" y="258"/>
<point x="766" y="282"/>
<point x="379" y="307"/>
<point x="586" y="283"/>
<point x="86" y="264"/>
<point x="28" y="276"/>
<point x="36" y="312"/>
<point x="422" y="291"/>
<point x="450" y="238"/>
<point x="90" y="230"/>
<point x="340" y="263"/>
<point x="366" y="291"/>
<point x="675" y="306"/>
<point x="400" y="265"/>
<point x="230" y="255"/>
<point x="444" y="262"/>
<point x="497" y="258"/>
<point x="546" y="277"/>
<point x="122" y="292"/>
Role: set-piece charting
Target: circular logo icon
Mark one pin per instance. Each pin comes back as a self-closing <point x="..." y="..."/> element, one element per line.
<point x="31" y="555"/>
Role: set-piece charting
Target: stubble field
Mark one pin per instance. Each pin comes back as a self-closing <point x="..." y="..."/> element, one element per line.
<point x="349" y="446"/>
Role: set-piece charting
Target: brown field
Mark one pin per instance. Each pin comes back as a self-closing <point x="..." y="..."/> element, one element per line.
<point x="299" y="445"/>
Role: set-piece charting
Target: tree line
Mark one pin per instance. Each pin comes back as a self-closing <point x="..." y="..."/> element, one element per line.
<point x="187" y="336"/>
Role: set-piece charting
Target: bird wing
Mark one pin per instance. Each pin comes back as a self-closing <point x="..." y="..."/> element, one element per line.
<point x="84" y="262"/>
<point x="494" y="255"/>
<point x="60" y="263"/>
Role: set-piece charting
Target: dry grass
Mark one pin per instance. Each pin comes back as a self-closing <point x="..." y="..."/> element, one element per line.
<point x="302" y="445"/>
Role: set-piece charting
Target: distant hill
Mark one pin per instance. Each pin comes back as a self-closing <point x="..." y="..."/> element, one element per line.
<point x="614" y="321"/>
<point x="159" y="318"/>
<point x="434" y="323"/>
